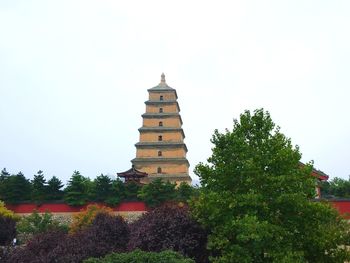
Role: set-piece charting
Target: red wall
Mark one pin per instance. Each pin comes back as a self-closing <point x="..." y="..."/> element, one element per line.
<point x="64" y="208"/>
<point x="343" y="206"/>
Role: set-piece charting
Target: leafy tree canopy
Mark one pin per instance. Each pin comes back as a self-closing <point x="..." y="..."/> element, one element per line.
<point x="255" y="199"/>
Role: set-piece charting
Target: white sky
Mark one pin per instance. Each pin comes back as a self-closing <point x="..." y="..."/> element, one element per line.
<point x="74" y="77"/>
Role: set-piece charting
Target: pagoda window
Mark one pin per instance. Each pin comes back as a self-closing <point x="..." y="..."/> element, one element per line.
<point x="160" y="110"/>
<point x="159" y="170"/>
<point x="160" y="138"/>
<point x="160" y="153"/>
<point x="161" y="97"/>
<point x="160" y="124"/>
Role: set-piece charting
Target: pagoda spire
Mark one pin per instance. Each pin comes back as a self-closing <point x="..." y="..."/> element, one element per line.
<point x="162" y="78"/>
<point x="162" y="81"/>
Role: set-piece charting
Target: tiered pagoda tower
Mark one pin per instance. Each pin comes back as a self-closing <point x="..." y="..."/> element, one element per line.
<point x="161" y="151"/>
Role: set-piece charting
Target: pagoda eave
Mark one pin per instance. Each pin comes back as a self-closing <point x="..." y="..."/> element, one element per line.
<point x="160" y="160"/>
<point x="155" y="145"/>
<point x="162" y="129"/>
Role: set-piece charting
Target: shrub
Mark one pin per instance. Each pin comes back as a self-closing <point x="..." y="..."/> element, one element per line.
<point x="7" y="225"/>
<point x="106" y="234"/>
<point x="37" y="223"/>
<point x="169" y="227"/>
<point x="38" y="248"/>
<point x="6" y="212"/>
<point x="7" y="230"/>
<point x="85" y="217"/>
<point x="139" y="256"/>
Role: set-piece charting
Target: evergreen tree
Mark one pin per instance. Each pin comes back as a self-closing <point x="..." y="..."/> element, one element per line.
<point x="77" y="189"/>
<point x="39" y="187"/>
<point x="17" y="188"/>
<point x="157" y="192"/>
<point x="131" y="191"/>
<point x="3" y="179"/>
<point x="103" y="188"/>
<point x="54" y="186"/>
<point x="117" y="192"/>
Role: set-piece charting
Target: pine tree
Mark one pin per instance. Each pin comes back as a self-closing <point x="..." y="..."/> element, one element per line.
<point x="39" y="188"/>
<point x="54" y="186"/>
<point x="17" y="189"/>
<point x="77" y="189"/>
<point x="3" y="180"/>
<point x="103" y="188"/>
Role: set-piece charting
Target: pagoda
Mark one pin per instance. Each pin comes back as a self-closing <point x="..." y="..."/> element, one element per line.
<point x="161" y="151"/>
<point x="132" y="175"/>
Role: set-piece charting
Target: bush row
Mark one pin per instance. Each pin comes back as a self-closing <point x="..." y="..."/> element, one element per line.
<point x="166" y="227"/>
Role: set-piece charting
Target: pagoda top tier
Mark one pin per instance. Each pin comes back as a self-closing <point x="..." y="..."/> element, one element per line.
<point x="162" y="85"/>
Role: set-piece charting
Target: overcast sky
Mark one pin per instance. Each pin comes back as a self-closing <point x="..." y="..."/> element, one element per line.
<point x="74" y="77"/>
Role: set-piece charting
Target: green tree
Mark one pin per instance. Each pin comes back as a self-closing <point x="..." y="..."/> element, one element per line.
<point x="157" y="192"/>
<point x="39" y="187"/>
<point x="337" y="187"/>
<point x="77" y="190"/>
<point x="3" y="179"/>
<point x="103" y="188"/>
<point x="131" y="190"/>
<point x="16" y="188"/>
<point x="117" y="192"/>
<point x="185" y="192"/>
<point x="54" y="186"/>
<point x="255" y="200"/>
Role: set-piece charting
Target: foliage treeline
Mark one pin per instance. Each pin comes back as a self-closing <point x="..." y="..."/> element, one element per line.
<point x="335" y="188"/>
<point x="16" y="188"/>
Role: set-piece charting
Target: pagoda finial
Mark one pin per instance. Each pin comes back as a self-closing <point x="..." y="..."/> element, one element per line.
<point x="162" y="79"/>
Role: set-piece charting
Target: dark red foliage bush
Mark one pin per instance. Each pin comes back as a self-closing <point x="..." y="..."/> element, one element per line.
<point x="110" y="233"/>
<point x="106" y="234"/>
<point x="169" y="227"/>
<point x="37" y="249"/>
<point x="7" y="230"/>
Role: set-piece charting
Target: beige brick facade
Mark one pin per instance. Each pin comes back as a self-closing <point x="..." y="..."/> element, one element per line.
<point x="163" y="108"/>
<point x="169" y="122"/>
